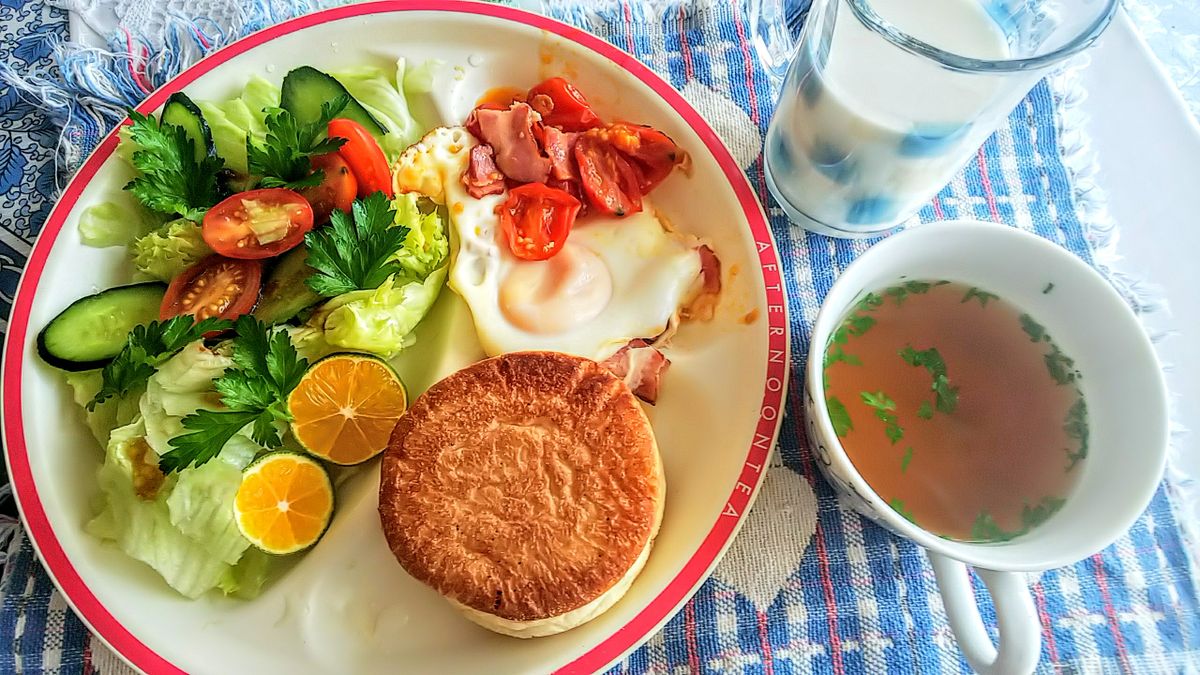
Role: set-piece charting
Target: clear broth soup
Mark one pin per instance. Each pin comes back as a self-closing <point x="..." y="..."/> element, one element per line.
<point x="957" y="408"/>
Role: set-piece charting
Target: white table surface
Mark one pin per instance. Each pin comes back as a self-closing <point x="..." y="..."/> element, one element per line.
<point x="1149" y="149"/>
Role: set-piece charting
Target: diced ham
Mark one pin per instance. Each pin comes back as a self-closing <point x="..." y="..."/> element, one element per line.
<point x="704" y="305"/>
<point x="559" y="146"/>
<point x="510" y="133"/>
<point x="641" y="366"/>
<point x="482" y="177"/>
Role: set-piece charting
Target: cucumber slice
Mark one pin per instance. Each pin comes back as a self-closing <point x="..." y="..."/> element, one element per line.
<point x="306" y="88"/>
<point x="285" y="294"/>
<point x="92" y="330"/>
<point x="181" y="112"/>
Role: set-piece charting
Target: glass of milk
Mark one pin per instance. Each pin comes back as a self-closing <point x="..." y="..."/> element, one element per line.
<point x="883" y="101"/>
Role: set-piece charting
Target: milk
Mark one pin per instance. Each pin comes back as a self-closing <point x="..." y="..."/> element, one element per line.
<point x="865" y="132"/>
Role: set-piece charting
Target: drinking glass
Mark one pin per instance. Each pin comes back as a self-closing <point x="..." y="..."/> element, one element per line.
<point x="883" y="101"/>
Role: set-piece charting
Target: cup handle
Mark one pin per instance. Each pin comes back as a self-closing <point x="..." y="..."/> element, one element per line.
<point x="1020" y="639"/>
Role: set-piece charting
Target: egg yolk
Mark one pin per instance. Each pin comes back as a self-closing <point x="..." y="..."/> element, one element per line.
<point x="556" y="295"/>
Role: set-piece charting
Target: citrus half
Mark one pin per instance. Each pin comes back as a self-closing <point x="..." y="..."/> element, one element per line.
<point x="284" y="503"/>
<point x="345" y="407"/>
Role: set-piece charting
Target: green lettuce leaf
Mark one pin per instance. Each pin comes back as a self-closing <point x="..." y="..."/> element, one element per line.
<point x="246" y="579"/>
<point x="232" y="120"/>
<point x="182" y="385"/>
<point x="116" y="222"/>
<point x="112" y="413"/>
<point x="381" y="321"/>
<point x="384" y="95"/>
<point x="426" y="245"/>
<point x="186" y="531"/>
<point x="418" y="79"/>
<point x="169" y="250"/>
<point x="201" y="504"/>
<point x="195" y="557"/>
<point x="309" y="339"/>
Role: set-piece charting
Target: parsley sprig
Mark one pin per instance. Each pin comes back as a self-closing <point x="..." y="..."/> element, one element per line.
<point x="885" y="410"/>
<point x="358" y="254"/>
<point x="945" y="394"/>
<point x="282" y="157"/>
<point x="254" y="391"/>
<point x="173" y="180"/>
<point x="1076" y="428"/>
<point x="899" y="507"/>
<point x="145" y="349"/>
<point x="982" y="296"/>
<point x="986" y="529"/>
<point x="839" y="416"/>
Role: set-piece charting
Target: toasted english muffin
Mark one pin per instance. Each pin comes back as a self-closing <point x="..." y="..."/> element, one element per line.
<point x="526" y="488"/>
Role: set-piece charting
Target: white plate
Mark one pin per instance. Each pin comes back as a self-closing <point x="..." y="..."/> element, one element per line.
<point x="347" y="606"/>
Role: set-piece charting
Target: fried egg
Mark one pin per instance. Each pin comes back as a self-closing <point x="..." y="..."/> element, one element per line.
<point x="616" y="279"/>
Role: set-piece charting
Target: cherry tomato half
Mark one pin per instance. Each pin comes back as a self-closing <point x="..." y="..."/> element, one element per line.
<point x="365" y="157"/>
<point x="569" y="110"/>
<point x="537" y="220"/>
<point x="220" y="287"/>
<point x="258" y="223"/>
<point x="654" y="153"/>
<point x="336" y="190"/>
<point x="572" y="188"/>
<point x="611" y="184"/>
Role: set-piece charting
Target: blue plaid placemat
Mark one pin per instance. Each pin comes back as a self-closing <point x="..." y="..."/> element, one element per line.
<point x="808" y="586"/>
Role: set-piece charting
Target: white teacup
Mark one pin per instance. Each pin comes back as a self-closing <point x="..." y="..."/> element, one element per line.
<point x="1122" y="383"/>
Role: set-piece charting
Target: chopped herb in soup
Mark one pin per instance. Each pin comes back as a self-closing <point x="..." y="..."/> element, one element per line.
<point x="957" y="408"/>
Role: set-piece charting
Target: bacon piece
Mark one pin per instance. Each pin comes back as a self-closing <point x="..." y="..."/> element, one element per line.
<point x="511" y="135"/>
<point x="559" y="146"/>
<point x="482" y="177"/>
<point x="704" y="305"/>
<point x="641" y="366"/>
<point x="543" y="104"/>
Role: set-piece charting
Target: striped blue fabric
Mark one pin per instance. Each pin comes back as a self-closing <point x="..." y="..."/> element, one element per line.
<point x="803" y="589"/>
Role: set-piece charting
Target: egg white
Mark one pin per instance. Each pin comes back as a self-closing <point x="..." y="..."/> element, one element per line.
<point x="652" y="272"/>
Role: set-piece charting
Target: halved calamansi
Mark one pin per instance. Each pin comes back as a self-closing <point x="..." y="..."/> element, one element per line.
<point x="344" y="408"/>
<point x="285" y="502"/>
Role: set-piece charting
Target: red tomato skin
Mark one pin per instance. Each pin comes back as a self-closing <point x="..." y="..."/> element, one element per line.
<point x="610" y="182"/>
<point x="335" y="192"/>
<point x="652" y="152"/>
<point x="537" y="220"/>
<point x="570" y="110"/>
<point x="225" y="231"/>
<point x="365" y="157"/>
<point x="219" y="275"/>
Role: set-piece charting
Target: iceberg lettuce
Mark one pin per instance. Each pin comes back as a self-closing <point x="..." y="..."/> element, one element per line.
<point x="185" y="529"/>
<point x="384" y="94"/>
<point x="426" y="244"/>
<point x="233" y="120"/>
<point x="114" y="412"/>
<point x="386" y="98"/>
<point x="381" y="320"/>
<point x="169" y="250"/>
<point x="116" y="222"/>
<point x="182" y="385"/>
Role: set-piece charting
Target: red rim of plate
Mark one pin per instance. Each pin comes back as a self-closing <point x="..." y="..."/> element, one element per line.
<point x="677" y="591"/>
